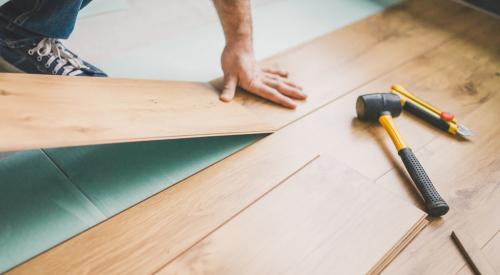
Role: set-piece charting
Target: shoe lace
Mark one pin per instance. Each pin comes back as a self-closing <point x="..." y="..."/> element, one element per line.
<point x="56" y="52"/>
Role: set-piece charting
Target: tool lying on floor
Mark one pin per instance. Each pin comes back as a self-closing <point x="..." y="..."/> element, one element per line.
<point x="383" y="107"/>
<point x="443" y="120"/>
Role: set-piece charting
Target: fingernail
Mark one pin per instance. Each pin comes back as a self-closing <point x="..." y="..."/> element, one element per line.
<point x="291" y="104"/>
<point x="224" y="99"/>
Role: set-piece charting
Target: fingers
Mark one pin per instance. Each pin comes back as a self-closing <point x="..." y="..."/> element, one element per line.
<point x="285" y="87"/>
<point x="288" y="82"/>
<point x="283" y="76"/>
<point x="230" y="84"/>
<point x="267" y="92"/>
<point x="279" y="72"/>
<point x="269" y="84"/>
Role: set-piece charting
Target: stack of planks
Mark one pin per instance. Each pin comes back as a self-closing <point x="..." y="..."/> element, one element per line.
<point x="321" y="194"/>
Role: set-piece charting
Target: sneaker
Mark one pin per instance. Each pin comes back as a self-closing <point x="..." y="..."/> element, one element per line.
<point x="47" y="56"/>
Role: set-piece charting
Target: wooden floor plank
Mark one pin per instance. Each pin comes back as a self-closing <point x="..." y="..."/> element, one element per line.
<point x="39" y="111"/>
<point x="483" y="221"/>
<point x="492" y="251"/>
<point x="307" y="226"/>
<point x="472" y="252"/>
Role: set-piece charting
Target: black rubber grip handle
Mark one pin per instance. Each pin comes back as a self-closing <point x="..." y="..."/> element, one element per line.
<point x="426" y="115"/>
<point x="434" y="204"/>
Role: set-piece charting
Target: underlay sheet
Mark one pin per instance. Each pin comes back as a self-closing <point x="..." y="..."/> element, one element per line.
<point x="39" y="207"/>
<point x="114" y="177"/>
<point x="48" y="196"/>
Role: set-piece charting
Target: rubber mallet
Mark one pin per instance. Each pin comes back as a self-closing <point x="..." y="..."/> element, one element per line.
<point x="382" y="107"/>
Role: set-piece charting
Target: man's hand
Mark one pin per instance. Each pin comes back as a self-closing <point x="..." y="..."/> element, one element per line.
<point x="238" y="61"/>
<point x="241" y="69"/>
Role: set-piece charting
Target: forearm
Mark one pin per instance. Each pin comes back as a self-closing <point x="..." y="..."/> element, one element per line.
<point x="238" y="60"/>
<point x="236" y="20"/>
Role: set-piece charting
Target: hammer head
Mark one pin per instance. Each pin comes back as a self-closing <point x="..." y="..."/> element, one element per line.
<point x="371" y="106"/>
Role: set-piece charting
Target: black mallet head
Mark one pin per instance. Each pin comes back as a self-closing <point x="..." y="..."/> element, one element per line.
<point x="371" y="106"/>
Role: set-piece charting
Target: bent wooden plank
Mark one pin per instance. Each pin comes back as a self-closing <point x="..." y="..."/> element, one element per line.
<point x="38" y="111"/>
<point x="325" y="219"/>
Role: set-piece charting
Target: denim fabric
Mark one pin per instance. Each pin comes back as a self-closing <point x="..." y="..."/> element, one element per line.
<point x="492" y="6"/>
<point x="24" y="21"/>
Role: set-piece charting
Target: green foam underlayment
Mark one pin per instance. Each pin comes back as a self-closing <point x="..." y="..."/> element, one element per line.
<point x="48" y="196"/>
<point x="39" y="207"/>
<point x="117" y="176"/>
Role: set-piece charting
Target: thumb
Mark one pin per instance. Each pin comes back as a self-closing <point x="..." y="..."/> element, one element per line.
<point x="230" y="84"/>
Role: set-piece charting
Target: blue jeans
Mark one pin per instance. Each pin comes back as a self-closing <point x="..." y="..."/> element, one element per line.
<point x="24" y="21"/>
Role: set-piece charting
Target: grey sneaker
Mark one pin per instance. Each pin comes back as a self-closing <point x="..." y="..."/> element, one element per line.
<point x="46" y="56"/>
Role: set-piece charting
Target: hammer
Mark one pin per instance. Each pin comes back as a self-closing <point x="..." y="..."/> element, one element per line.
<point x="382" y="107"/>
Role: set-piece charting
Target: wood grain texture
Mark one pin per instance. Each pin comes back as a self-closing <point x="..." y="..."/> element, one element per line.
<point x="319" y="221"/>
<point x="492" y="251"/>
<point x="472" y="253"/>
<point x="399" y="247"/>
<point x="40" y="111"/>
<point x="337" y="63"/>
<point x="483" y="223"/>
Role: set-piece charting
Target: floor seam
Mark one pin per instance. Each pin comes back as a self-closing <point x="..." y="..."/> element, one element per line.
<point x="232" y="217"/>
<point x="59" y="168"/>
